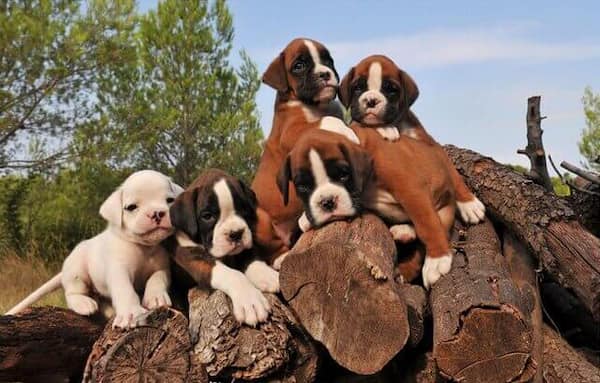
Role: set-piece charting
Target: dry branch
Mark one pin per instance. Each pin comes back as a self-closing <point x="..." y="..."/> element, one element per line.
<point x="562" y="364"/>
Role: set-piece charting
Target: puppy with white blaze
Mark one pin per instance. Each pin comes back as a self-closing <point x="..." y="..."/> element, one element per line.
<point x="216" y="220"/>
<point x="126" y="258"/>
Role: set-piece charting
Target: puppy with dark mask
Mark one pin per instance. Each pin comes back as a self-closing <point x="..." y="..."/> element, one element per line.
<point x="215" y="219"/>
<point x="379" y="95"/>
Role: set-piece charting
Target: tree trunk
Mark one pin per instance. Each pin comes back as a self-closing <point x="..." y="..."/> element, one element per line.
<point x="278" y="350"/>
<point x="482" y="329"/>
<point x="339" y="280"/>
<point x="46" y="344"/>
<point x="562" y="364"/>
<point x="569" y="253"/>
<point x="156" y="352"/>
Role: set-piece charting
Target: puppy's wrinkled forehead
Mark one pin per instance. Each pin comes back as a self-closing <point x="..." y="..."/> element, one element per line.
<point x="307" y="49"/>
<point x="373" y="69"/>
<point x="324" y="143"/>
<point x="146" y="185"/>
<point x="219" y="190"/>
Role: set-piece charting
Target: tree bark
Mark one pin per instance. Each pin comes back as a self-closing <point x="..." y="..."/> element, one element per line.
<point x="278" y="350"/>
<point x="158" y="351"/>
<point x="339" y="280"/>
<point x="46" y="344"/>
<point x="541" y="220"/>
<point x="482" y="330"/>
<point x="562" y="364"/>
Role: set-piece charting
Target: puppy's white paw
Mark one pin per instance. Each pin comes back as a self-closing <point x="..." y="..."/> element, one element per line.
<point x="153" y="299"/>
<point x="249" y="305"/>
<point x="334" y="124"/>
<point x="390" y="133"/>
<point x="81" y="304"/>
<point x="130" y="317"/>
<point x="264" y="277"/>
<point x="279" y="261"/>
<point x="434" y="268"/>
<point x="304" y="223"/>
<point x="472" y="211"/>
<point x="403" y="233"/>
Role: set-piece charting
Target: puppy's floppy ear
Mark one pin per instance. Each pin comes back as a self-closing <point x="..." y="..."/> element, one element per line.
<point x="361" y="163"/>
<point x="112" y="208"/>
<point x="183" y="213"/>
<point x="283" y="180"/>
<point x="275" y="76"/>
<point x="411" y="91"/>
<point x="249" y="194"/>
<point x="344" y="90"/>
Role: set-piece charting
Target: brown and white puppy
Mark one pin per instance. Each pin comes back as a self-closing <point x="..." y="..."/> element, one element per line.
<point x="404" y="182"/>
<point x="380" y="95"/>
<point x="215" y="218"/>
<point x="306" y="81"/>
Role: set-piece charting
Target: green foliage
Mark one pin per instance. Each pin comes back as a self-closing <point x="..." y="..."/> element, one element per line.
<point x="589" y="146"/>
<point x="560" y="189"/>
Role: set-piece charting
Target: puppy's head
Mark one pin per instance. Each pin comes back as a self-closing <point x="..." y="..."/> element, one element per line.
<point x="217" y="211"/>
<point x="139" y="208"/>
<point x="377" y="91"/>
<point x="305" y="70"/>
<point x="330" y="174"/>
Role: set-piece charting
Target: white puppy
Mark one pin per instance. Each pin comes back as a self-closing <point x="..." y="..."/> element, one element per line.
<point x="125" y="258"/>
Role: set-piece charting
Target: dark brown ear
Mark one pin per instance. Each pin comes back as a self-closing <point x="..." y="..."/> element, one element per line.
<point x="361" y="163"/>
<point x="249" y="193"/>
<point x="283" y="180"/>
<point x="344" y="90"/>
<point x="275" y="76"/>
<point x="183" y="213"/>
<point x="411" y="91"/>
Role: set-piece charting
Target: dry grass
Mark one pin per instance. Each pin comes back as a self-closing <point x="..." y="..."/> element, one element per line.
<point x="21" y="276"/>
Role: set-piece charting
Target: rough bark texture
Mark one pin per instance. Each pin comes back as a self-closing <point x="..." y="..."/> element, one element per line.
<point x="522" y="271"/>
<point x="417" y="309"/>
<point x="569" y="253"/>
<point x="156" y="352"/>
<point x="482" y="321"/>
<point x="46" y="344"/>
<point x="422" y="369"/>
<point x="587" y="206"/>
<point x="275" y="351"/>
<point x="562" y="364"/>
<point x="339" y="281"/>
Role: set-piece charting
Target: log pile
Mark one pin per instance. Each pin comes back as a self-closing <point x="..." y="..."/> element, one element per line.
<point x="342" y="316"/>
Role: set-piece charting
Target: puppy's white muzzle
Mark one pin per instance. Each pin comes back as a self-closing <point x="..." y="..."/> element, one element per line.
<point x="330" y="201"/>
<point x="231" y="236"/>
<point x="372" y="105"/>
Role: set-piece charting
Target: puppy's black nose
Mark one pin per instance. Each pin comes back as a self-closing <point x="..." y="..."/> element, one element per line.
<point x="372" y="102"/>
<point x="158" y="215"/>
<point x="328" y="204"/>
<point x="325" y="75"/>
<point x="236" y="236"/>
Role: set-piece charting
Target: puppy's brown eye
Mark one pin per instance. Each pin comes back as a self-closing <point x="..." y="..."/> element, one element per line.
<point x="388" y="87"/>
<point x="359" y="88"/>
<point x="170" y="199"/>
<point x="207" y="216"/>
<point x="299" y="66"/>
<point x="131" y="207"/>
<point x="343" y="175"/>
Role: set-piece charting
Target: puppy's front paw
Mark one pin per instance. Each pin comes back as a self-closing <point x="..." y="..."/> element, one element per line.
<point x="154" y="299"/>
<point x="81" y="304"/>
<point x="249" y="305"/>
<point x="403" y="233"/>
<point x="304" y="223"/>
<point x="472" y="211"/>
<point x="334" y="124"/>
<point x="264" y="277"/>
<point x="390" y="133"/>
<point x="130" y="317"/>
<point x="434" y="268"/>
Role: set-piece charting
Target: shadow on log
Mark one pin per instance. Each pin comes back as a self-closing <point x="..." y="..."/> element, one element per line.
<point x="482" y="322"/>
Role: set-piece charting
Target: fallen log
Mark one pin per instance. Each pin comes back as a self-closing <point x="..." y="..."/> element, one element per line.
<point x="46" y="344"/>
<point x="339" y="280"/>
<point x="562" y="364"/>
<point x="158" y="351"/>
<point x="541" y="220"/>
<point x="278" y="350"/>
<point x="482" y="322"/>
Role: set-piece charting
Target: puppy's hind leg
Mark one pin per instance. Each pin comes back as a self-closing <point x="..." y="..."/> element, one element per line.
<point x="76" y="293"/>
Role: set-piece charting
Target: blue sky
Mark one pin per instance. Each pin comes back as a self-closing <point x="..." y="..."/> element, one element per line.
<point x="475" y="62"/>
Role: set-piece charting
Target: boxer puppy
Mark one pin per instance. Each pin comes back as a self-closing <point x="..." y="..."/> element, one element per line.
<point x="407" y="181"/>
<point x="380" y="95"/>
<point x="126" y="257"/>
<point x="215" y="220"/>
<point x="306" y="81"/>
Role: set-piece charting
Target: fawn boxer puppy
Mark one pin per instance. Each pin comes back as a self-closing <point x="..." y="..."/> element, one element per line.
<point x="380" y="95"/>
<point x="123" y="258"/>
<point x="215" y="218"/>
<point x="306" y="81"/>
<point x="407" y="181"/>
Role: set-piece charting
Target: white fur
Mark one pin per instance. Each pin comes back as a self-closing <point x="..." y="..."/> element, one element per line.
<point x="126" y="256"/>
<point x="472" y="211"/>
<point x="249" y="304"/>
<point x="335" y="125"/>
<point x="228" y="222"/>
<point x="403" y="233"/>
<point x="389" y="133"/>
<point x="319" y="67"/>
<point x="264" y="277"/>
<point x="304" y="223"/>
<point x="279" y="261"/>
<point x="435" y="268"/>
<point x="373" y="93"/>
<point x="326" y="189"/>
